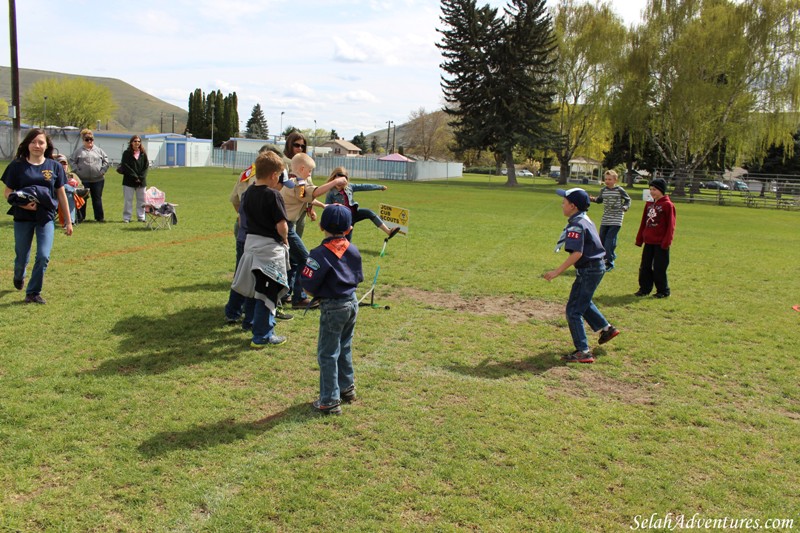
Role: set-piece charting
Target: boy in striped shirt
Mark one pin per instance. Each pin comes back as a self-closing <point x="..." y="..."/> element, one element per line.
<point x="615" y="203"/>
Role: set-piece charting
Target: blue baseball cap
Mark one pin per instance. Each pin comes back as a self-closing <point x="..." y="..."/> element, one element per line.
<point x="336" y="219"/>
<point x="577" y="196"/>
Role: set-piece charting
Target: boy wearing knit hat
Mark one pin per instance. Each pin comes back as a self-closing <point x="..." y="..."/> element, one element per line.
<point x="331" y="274"/>
<point x="655" y="233"/>
<point x="587" y="254"/>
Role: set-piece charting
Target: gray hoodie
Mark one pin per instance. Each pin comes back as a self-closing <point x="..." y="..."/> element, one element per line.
<point x="90" y="165"/>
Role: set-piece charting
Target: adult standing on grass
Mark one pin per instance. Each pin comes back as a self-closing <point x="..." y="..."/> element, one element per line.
<point x="656" y="231"/>
<point x="90" y="163"/>
<point x="34" y="188"/>
<point x="296" y="143"/>
<point x="134" y="178"/>
<point x="586" y="253"/>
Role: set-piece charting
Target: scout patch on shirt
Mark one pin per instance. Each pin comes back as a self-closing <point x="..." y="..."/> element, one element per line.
<point x="309" y="268"/>
<point x="337" y="246"/>
<point x="48" y="174"/>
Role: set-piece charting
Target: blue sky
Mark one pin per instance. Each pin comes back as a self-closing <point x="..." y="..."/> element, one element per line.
<point x="349" y="65"/>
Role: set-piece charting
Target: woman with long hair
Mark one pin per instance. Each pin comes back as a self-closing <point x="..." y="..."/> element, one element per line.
<point x="134" y="168"/>
<point x="34" y="188"/>
<point x="296" y="144"/>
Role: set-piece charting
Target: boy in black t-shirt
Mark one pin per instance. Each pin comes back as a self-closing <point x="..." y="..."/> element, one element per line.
<point x="261" y="273"/>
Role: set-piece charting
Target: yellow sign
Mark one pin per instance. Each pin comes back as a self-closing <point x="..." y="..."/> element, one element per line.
<point x="394" y="217"/>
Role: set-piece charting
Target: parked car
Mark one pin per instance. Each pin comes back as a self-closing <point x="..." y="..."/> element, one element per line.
<point x="714" y="184"/>
<point x="739" y="185"/>
<point x="504" y="172"/>
<point x="555" y="174"/>
<point x="525" y="172"/>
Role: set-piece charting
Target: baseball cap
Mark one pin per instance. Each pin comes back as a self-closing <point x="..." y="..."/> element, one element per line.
<point x="336" y="219"/>
<point x="285" y="181"/>
<point x="60" y="158"/>
<point x="576" y="196"/>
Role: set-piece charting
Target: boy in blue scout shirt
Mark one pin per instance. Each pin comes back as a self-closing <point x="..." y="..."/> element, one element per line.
<point x="581" y="240"/>
<point x="331" y="274"/>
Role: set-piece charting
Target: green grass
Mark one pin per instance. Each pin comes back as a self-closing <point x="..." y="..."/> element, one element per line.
<point x="127" y="404"/>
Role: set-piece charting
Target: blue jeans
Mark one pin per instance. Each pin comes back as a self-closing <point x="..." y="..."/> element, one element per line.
<point x="298" y="254"/>
<point x="580" y="305"/>
<point x="364" y="214"/>
<point x="237" y="303"/>
<point x="263" y="321"/>
<point x="608" y="236"/>
<point x="337" y="322"/>
<point x="23" y="239"/>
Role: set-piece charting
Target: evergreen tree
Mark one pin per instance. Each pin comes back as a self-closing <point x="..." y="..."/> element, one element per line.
<point x="334" y="135"/>
<point x="361" y="141"/>
<point x="498" y="80"/>
<point x="257" y="125"/>
<point x="374" y="145"/>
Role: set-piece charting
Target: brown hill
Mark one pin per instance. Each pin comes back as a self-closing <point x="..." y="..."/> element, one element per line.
<point x="136" y="111"/>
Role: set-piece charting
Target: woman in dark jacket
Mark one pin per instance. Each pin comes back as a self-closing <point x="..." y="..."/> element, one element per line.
<point x="134" y="178"/>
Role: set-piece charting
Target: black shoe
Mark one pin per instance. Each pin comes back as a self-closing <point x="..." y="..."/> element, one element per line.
<point x="661" y="295"/>
<point x="608" y="334"/>
<point x="393" y="232"/>
<point x="349" y="394"/>
<point x="331" y="409"/>
<point x="19" y="283"/>
<point x="640" y="293"/>
<point x="34" y="299"/>
<point x="280" y="315"/>
<point x="579" y="357"/>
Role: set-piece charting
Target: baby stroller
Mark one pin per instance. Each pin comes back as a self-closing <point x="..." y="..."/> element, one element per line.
<point x="159" y="213"/>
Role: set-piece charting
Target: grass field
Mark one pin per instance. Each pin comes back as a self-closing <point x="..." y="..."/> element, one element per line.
<point x="127" y="404"/>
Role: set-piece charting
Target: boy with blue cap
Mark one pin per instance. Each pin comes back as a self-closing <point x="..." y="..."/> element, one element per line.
<point x="586" y="253"/>
<point x="331" y="274"/>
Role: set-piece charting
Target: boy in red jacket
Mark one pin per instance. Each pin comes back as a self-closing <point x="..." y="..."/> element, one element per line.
<point x="655" y="232"/>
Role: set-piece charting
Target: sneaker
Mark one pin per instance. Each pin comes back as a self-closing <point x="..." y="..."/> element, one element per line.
<point x="34" y="299"/>
<point x="608" y="334"/>
<point x="18" y="283"/>
<point x="661" y="295"/>
<point x="393" y="232"/>
<point x="231" y="321"/>
<point x="349" y="394"/>
<point x="280" y="315"/>
<point x="273" y="340"/>
<point x="332" y="409"/>
<point x="579" y="357"/>
<point x="640" y="293"/>
<point x="609" y="268"/>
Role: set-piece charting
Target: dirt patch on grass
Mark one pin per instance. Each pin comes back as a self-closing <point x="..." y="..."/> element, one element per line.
<point x="516" y="310"/>
<point x="589" y="383"/>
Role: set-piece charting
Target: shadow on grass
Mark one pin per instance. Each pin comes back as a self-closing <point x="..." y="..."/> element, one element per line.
<point x="222" y="432"/>
<point x="160" y="344"/>
<point x="215" y="286"/>
<point x="490" y="369"/>
<point x="616" y="300"/>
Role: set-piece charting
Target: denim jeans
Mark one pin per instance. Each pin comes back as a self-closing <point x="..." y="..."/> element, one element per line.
<point x="96" y="191"/>
<point x="263" y="321"/>
<point x="337" y="322"/>
<point x="608" y="236"/>
<point x="238" y="303"/>
<point x="298" y="254"/>
<point x="653" y="269"/>
<point x="364" y="214"/>
<point x="23" y="239"/>
<point x="580" y="305"/>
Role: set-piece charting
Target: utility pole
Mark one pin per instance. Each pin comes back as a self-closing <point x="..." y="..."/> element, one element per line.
<point x="44" y="120"/>
<point x="12" y="26"/>
<point x="212" y="127"/>
<point x="388" y="134"/>
<point x="394" y="138"/>
<point x="280" y="133"/>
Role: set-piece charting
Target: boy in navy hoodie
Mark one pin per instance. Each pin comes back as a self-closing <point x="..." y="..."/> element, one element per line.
<point x="331" y="274"/>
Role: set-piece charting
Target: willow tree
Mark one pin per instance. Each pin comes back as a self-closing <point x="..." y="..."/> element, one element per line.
<point x="719" y="71"/>
<point x="498" y="75"/>
<point x="68" y="102"/>
<point x="590" y="41"/>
